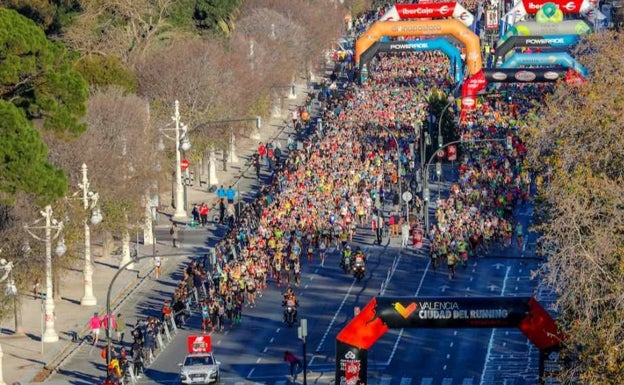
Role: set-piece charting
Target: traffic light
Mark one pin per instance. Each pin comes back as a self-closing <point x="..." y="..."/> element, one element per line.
<point x="508" y="142"/>
<point x="258" y="122"/>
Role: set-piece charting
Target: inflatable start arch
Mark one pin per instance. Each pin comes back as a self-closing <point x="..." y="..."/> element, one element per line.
<point x="384" y="313"/>
<point x="440" y="44"/>
<point x="452" y="27"/>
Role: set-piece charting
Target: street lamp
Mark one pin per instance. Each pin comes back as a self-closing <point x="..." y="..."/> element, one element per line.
<point x="451" y="100"/>
<point x="426" y="197"/>
<point x="182" y="143"/>
<point x="302" y="333"/>
<point x="11" y="290"/>
<point x="89" y="201"/>
<point x="398" y="154"/>
<point x="49" y="334"/>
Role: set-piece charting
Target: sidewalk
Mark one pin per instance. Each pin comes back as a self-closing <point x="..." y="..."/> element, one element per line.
<point x="26" y="360"/>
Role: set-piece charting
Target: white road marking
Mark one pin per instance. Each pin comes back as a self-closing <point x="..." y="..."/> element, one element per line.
<point x="491" y="341"/>
<point x="396" y="343"/>
<point x="320" y="345"/>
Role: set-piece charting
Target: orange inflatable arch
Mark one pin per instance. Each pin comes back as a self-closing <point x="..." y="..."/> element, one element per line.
<point x="424" y="28"/>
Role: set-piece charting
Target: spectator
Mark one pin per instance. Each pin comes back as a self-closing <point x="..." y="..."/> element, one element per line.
<point x="120" y="328"/>
<point x="175" y="233"/>
<point x="294" y="364"/>
<point x="95" y="323"/>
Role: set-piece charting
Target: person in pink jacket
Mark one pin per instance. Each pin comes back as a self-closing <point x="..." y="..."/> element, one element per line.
<point x="94" y="325"/>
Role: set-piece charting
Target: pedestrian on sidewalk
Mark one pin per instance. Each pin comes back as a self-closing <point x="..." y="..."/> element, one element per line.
<point x="110" y="324"/>
<point x="405" y="232"/>
<point x="120" y="328"/>
<point x="378" y="224"/>
<point x="95" y="323"/>
<point x="175" y="233"/>
<point x="221" y="211"/>
<point x="195" y="214"/>
<point x="203" y="213"/>
<point x="221" y="194"/>
<point x="295" y="364"/>
<point x="231" y="194"/>
<point x="157" y="265"/>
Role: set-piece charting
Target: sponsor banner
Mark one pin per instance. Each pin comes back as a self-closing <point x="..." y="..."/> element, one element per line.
<point x="491" y="19"/>
<point x="198" y="344"/>
<point x="524" y="75"/>
<point x="351" y="364"/>
<point x="551" y="41"/>
<point x="429" y="10"/>
<point x="566" y="6"/>
<point x="544" y="59"/>
<point x="587" y="8"/>
<point x="533" y="28"/>
<point x="436" y="312"/>
<point x="452" y="153"/>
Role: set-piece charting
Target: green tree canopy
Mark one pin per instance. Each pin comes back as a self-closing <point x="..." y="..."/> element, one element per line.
<point x="37" y="75"/>
<point x="108" y="70"/>
<point x="24" y="159"/>
<point x="216" y="15"/>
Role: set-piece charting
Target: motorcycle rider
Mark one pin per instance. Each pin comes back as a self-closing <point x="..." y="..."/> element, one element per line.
<point x="345" y="262"/>
<point x="290" y="300"/>
<point x="359" y="263"/>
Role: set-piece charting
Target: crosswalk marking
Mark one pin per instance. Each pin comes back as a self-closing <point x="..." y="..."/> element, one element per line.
<point x="385" y="380"/>
<point x="406" y="380"/>
<point x="468" y="381"/>
<point x="426" y="381"/>
<point x="447" y="381"/>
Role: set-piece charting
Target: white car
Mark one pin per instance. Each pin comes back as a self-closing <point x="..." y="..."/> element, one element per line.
<point x="199" y="368"/>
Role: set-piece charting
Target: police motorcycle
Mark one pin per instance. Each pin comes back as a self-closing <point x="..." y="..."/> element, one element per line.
<point x="346" y="259"/>
<point x="290" y="307"/>
<point x="359" y="265"/>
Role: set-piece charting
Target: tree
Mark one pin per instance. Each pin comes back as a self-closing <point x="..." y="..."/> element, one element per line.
<point x="118" y="27"/>
<point x="24" y="160"/>
<point x="575" y="144"/>
<point x="37" y="75"/>
<point x="216" y="15"/>
<point x="106" y="71"/>
<point x="51" y="15"/>
<point x="119" y="150"/>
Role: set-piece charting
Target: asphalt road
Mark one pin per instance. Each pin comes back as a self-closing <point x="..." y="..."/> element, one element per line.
<point x="252" y="352"/>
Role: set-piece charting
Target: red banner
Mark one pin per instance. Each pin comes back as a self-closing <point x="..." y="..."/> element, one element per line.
<point x="417" y="239"/>
<point x="566" y="6"/>
<point x="451" y="152"/>
<point x="420" y="10"/>
<point x="198" y="344"/>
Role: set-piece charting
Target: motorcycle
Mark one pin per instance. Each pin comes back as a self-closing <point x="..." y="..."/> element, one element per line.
<point x="290" y="312"/>
<point x="359" y="268"/>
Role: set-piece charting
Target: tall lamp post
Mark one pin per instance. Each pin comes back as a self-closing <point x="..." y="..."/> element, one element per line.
<point x="49" y="334"/>
<point x="11" y="290"/>
<point x="398" y="155"/>
<point x="451" y="100"/>
<point x="89" y="201"/>
<point x="182" y="143"/>
<point x="508" y="143"/>
<point x="302" y="333"/>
